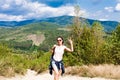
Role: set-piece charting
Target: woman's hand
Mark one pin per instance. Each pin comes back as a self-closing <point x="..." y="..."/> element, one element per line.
<point x="70" y="40"/>
<point x="71" y="45"/>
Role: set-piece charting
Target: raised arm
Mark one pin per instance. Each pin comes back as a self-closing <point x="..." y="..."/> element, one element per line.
<point x="71" y="46"/>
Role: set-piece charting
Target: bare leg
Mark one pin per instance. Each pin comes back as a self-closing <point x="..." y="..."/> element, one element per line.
<point x="60" y="71"/>
<point x="56" y="72"/>
<point x="57" y="75"/>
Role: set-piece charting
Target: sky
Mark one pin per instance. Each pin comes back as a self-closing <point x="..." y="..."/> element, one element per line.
<point x="18" y="10"/>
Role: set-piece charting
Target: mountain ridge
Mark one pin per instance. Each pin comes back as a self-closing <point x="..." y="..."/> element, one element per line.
<point x="61" y="20"/>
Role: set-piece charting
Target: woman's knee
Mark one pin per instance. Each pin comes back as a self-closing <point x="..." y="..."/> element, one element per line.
<point x="57" y="74"/>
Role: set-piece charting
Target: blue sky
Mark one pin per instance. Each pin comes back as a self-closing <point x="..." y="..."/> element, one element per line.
<point x="17" y="10"/>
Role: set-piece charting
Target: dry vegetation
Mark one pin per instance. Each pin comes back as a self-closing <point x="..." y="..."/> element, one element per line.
<point x="65" y="29"/>
<point x="105" y="70"/>
<point x="37" y="39"/>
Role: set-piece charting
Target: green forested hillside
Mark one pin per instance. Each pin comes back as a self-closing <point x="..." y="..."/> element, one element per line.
<point x="29" y="36"/>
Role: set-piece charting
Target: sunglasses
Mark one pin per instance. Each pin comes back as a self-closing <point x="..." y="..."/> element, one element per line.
<point x="59" y="40"/>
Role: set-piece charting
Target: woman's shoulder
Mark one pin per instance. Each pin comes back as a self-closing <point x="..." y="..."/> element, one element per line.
<point x="64" y="46"/>
<point x="54" y="45"/>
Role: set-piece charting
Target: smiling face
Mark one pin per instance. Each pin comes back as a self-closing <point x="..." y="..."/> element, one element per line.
<point x="59" y="41"/>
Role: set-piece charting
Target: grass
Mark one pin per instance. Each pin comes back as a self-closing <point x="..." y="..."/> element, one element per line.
<point x="18" y="63"/>
<point x="12" y="63"/>
<point x="104" y="70"/>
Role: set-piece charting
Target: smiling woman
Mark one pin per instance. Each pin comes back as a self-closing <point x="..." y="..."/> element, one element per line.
<point x="56" y="63"/>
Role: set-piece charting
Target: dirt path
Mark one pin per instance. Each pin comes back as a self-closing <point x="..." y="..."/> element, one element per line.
<point x="32" y="75"/>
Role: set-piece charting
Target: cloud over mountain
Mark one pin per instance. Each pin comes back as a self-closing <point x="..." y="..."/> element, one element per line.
<point x="25" y="9"/>
<point x="17" y="10"/>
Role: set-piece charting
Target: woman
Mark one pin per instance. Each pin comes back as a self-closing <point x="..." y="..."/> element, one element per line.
<point x="57" y="56"/>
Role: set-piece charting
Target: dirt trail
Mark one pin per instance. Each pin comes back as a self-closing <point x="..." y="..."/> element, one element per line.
<point x="32" y="75"/>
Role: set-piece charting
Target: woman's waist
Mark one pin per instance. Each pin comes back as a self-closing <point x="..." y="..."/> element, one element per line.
<point x="57" y="60"/>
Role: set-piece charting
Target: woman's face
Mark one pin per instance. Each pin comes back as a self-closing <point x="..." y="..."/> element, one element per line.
<point x="59" y="41"/>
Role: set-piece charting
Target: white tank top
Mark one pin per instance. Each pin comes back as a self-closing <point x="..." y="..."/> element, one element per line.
<point x="58" y="52"/>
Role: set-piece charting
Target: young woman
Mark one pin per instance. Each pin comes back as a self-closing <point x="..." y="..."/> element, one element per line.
<point x="56" y="60"/>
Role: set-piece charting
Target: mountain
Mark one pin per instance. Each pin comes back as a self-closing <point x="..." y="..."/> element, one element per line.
<point x="15" y="23"/>
<point x="25" y="37"/>
<point x="108" y="25"/>
<point x="42" y="32"/>
<point x="61" y="20"/>
<point x="64" y="20"/>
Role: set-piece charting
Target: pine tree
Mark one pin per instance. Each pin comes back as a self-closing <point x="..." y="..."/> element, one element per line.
<point x="115" y="48"/>
<point x="98" y="42"/>
<point x="76" y="34"/>
<point x="88" y="41"/>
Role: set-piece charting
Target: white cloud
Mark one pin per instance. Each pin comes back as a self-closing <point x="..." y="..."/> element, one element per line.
<point x="100" y="15"/>
<point x="5" y="17"/>
<point x="96" y="14"/>
<point x="103" y="19"/>
<point x="109" y="9"/>
<point x="117" y="8"/>
<point x="24" y="9"/>
<point x="41" y="10"/>
<point x="118" y="0"/>
<point x="5" y="6"/>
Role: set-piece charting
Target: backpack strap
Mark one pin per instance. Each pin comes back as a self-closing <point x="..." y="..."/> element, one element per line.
<point x="53" y="50"/>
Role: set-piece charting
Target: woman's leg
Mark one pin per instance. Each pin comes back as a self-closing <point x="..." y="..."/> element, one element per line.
<point x="60" y="71"/>
<point x="56" y="72"/>
<point x="57" y="75"/>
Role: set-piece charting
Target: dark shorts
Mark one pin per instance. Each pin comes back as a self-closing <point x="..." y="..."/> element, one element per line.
<point x="59" y="65"/>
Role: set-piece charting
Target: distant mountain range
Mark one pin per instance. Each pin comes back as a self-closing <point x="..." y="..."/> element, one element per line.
<point x="61" y="20"/>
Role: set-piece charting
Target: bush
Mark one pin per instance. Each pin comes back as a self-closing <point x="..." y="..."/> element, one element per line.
<point x="11" y="63"/>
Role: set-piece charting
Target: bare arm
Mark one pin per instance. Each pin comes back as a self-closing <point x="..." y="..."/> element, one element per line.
<point x="71" y="46"/>
<point x="52" y="50"/>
